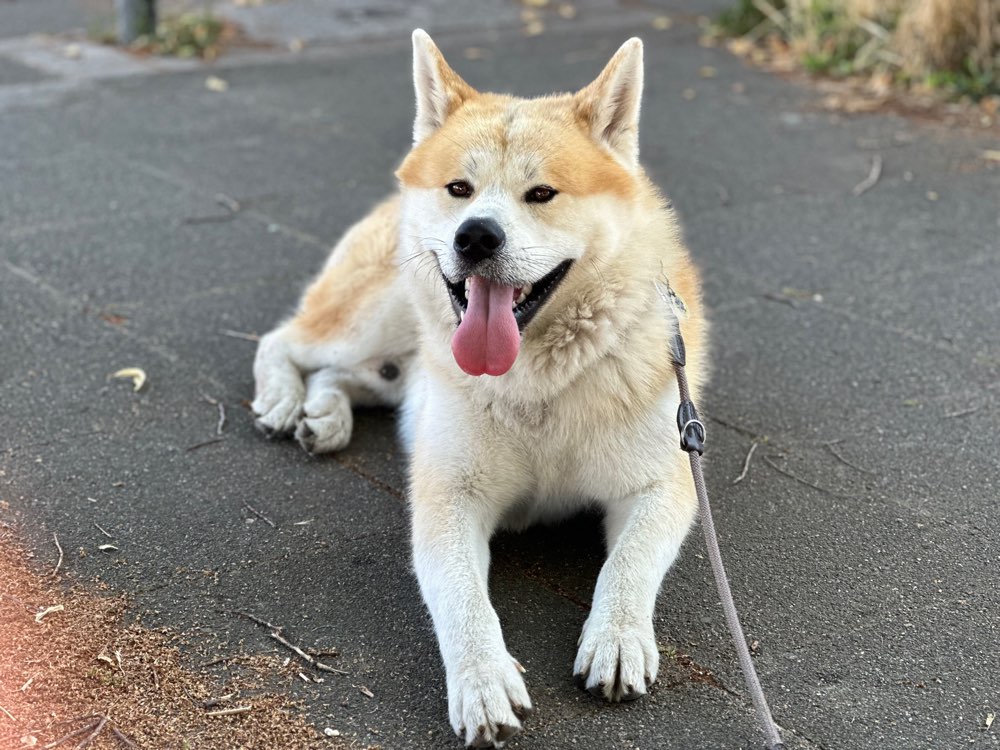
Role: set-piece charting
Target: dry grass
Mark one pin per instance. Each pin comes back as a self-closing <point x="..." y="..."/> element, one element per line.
<point x="948" y="45"/>
<point x="948" y="35"/>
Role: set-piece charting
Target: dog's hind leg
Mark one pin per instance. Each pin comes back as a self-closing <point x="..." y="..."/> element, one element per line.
<point x="350" y="343"/>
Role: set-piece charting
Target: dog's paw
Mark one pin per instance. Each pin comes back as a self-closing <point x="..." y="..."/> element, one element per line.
<point x="327" y="421"/>
<point x="616" y="660"/>
<point x="488" y="701"/>
<point x="277" y="408"/>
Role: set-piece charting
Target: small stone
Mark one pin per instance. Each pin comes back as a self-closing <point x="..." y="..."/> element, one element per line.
<point x="216" y="84"/>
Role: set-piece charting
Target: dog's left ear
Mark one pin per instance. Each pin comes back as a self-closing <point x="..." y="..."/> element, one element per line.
<point x="440" y="90"/>
<point x="610" y="105"/>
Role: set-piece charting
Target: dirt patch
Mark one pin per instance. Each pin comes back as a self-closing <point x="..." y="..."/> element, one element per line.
<point x="77" y="670"/>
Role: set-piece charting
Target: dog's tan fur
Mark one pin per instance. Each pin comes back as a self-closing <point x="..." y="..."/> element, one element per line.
<point x="585" y="414"/>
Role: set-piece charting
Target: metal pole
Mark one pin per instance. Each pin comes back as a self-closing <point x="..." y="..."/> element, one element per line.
<point x="135" y="18"/>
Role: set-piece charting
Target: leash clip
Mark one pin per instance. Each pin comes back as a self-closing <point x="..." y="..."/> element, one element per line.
<point x="692" y="429"/>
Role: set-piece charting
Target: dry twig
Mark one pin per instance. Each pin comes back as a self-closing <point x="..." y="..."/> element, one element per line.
<point x="799" y="479"/>
<point x="263" y="623"/>
<point x="59" y="562"/>
<point x="123" y="738"/>
<point x="48" y="611"/>
<point x="276" y="635"/>
<point x="962" y="412"/>
<point x="310" y="660"/>
<point x="844" y="461"/>
<point x="222" y="418"/>
<point x="746" y="463"/>
<point x="230" y="711"/>
<point x="103" y="530"/>
<point x="240" y="335"/>
<point x="259" y="515"/>
<point x="871" y="180"/>
<point x="217" y="701"/>
<point x="202" y="444"/>
<point x="71" y="735"/>
<point x="93" y="735"/>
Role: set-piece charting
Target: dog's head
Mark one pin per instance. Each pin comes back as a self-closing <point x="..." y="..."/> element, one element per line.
<point x="508" y="194"/>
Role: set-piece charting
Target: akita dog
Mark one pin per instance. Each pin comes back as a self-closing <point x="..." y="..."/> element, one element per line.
<point x="506" y="299"/>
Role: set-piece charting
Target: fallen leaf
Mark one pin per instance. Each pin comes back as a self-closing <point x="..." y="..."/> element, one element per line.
<point x="137" y="374"/>
<point x="989" y="720"/>
<point x="662" y="23"/>
<point x="991" y="154"/>
<point x="107" y="547"/>
<point x="707" y="71"/>
<point x="534" y="28"/>
<point x="216" y="84"/>
<point x="567" y="11"/>
<point x="366" y="691"/>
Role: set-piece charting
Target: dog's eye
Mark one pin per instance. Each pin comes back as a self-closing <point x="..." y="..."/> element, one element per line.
<point x="459" y="189"/>
<point x="540" y="194"/>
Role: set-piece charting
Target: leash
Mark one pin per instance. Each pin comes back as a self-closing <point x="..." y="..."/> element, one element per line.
<point x="693" y="435"/>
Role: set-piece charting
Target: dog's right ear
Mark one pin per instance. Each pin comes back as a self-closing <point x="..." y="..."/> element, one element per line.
<point x="440" y="90"/>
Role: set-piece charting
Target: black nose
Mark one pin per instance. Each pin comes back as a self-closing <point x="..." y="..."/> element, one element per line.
<point x="478" y="239"/>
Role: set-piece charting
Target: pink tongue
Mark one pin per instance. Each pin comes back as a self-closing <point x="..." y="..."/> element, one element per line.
<point x="487" y="339"/>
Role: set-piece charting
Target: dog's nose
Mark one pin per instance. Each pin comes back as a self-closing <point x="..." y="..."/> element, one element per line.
<point x="478" y="239"/>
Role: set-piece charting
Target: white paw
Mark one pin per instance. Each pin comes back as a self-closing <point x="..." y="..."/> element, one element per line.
<point x="327" y="420"/>
<point x="278" y="408"/>
<point x="487" y="701"/>
<point x="617" y="658"/>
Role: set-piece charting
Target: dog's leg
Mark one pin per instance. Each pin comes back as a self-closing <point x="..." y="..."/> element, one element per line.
<point x="349" y="343"/>
<point x="326" y="414"/>
<point x="487" y="698"/>
<point x="280" y="390"/>
<point x="618" y="657"/>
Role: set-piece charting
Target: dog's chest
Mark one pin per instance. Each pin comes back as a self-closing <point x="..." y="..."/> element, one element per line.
<point x="582" y="451"/>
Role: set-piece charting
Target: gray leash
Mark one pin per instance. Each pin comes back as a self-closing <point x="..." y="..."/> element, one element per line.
<point x="692" y="432"/>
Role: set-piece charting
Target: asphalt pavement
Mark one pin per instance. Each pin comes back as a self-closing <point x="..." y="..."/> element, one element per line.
<point x="856" y="339"/>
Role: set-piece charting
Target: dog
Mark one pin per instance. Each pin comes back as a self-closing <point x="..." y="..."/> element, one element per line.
<point x="506" y="300"/>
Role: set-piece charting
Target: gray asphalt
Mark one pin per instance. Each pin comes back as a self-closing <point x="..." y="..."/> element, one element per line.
<point x="857" y="338"/>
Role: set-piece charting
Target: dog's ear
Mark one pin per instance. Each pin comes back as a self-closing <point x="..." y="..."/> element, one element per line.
<point x="610" y="105"/>
<point x="440" y="90"/>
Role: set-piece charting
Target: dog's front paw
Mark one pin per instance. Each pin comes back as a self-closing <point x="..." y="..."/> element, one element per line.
<point x="617" y="660"/>
<point x="327" y="421"/>
<point x="278" y="408"/>
<point x="487" y="701"/>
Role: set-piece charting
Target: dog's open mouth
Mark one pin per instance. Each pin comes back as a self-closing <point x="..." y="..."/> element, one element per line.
<point x="527" y="300"/>
<point x="491" y="317"/>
